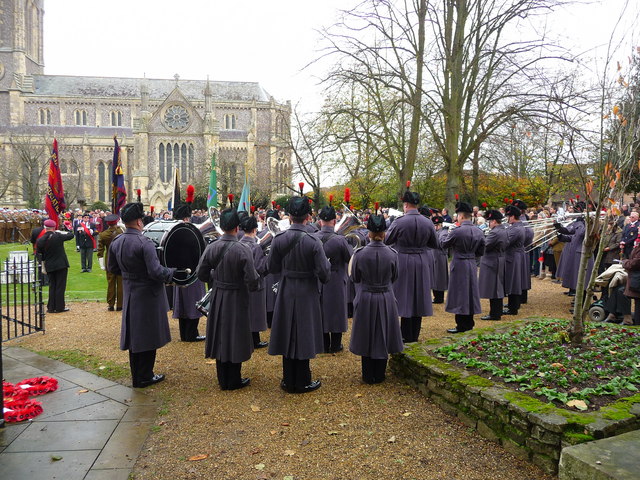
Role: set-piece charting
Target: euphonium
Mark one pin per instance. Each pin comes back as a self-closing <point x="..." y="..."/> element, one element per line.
<point x="348" y="222"/>
<point x="212" y="225"/>
<point x="274" y="227"/>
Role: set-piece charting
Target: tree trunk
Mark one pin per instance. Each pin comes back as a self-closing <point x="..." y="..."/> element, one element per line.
<point x="475" y="183"/>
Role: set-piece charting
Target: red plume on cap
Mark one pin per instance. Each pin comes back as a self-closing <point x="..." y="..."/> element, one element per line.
<point x="191" y="192"/>
<point x="301" y="185"/>
<point x="347" y="195"/>
<point x="138" y="191"/>
<point x="273" y="204"/>
<point x="330" y="198"/>
<point x="152" y="208"/>
<point x="230" y="197"/>
<point x="577" y="197"/>
<point x="457" y="196"/>
<point x="408" y="184"/>
<point x="513" y="194"/>
<point x="252" y="208"/>
<point x="484" y="204"/>
<point x="506" y="200"/>
<point x="310" y="200"/>
<point x="376" y="207"/>
<point x="278" y="207"/>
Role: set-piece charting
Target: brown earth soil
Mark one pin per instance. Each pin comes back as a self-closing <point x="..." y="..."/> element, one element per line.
<point x="344" y="430"/>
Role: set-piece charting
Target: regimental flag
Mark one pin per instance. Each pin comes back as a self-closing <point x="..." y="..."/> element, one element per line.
<point x="212" y="195"/>
<point x="245" y="198"/>
<point x="119" y="192"/>
<point x="54" y="202"/>
<point x="175" y="198"/>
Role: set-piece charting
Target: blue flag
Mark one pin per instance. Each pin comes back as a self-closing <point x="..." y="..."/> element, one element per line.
<point x="245" y="198"/>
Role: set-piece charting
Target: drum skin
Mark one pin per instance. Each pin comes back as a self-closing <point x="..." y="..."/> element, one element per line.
<point x="179" y="245"/>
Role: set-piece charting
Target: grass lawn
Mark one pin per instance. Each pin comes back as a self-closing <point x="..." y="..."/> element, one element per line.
<point x="80" y="286"/>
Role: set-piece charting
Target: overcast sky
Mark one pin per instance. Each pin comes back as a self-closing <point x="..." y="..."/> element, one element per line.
<point x="266" y="41"/>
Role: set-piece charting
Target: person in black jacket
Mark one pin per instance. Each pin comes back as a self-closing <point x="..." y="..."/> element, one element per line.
<point x="50" y="248"/>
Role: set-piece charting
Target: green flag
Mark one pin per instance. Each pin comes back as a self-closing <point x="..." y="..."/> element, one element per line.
<point x="212" y="196"/>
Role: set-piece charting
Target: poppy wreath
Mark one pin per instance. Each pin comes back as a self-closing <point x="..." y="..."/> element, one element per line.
<point x="21" y="410"/>
<point x="38" y="385"/>
<point x="12" y="393"/>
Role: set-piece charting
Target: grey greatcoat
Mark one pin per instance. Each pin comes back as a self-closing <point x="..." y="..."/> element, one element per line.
<point x="570" y="258"/>
<point x="412" y="235"/>
<point x="467" y="243"/>
<point x="516" y="259"/>
<point x="376" y="327"/>
<point x="492" y="263"/>
<point x="145" y="325"/>
<point x="258" y="299"/>
<point x="185" y="298"/>
<point x="228" y="265"/>
<point x="296" y="331"/>
<point x="528" y="238"/>
<point x="440" y="265"/>
<point x="333" y="297"/>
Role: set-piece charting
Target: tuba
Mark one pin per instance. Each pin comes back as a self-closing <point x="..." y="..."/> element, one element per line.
<point x="210" y="229"/>
<point x="346" y="226"/>
<point x="273" y="228"/>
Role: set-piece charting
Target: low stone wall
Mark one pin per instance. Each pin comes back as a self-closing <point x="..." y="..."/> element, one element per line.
<point x="525" y="426"/>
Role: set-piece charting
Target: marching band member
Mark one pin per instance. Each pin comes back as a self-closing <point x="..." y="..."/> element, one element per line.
<point x="114" y="282"/>
<point x="411" y="235"/>
<point x="333" y="298"/>
<point x="86" y="242"/>
<point x="257" y="298"/>
<point x="528" y="239"/>
<point x="296" y="332"/>
<point x="228" y="265"/>
<point x="467" y="243"/>
<point x="376" y="331"/>
<point x="271" y="278"/>
<point x="492" y="265"/>
<point x="517" y="266"/>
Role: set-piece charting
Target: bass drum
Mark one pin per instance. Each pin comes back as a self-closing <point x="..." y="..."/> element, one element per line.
<point x="179" y="245"/>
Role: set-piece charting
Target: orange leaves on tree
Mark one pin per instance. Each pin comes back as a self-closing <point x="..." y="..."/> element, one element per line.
<point x="616" y="109"/>
<point x="607" y="169"/>
<point x="589" y="187"/>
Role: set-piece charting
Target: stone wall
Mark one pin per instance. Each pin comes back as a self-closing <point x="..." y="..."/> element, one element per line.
<point x="525" y="426"/>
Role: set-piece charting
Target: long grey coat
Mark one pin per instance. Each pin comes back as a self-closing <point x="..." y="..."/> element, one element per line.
<point x="333" y="297"/>
<point x="376" y="328"/>
<point x="145" y="324"/>
<point x="528" y="239"/>
<point x="467" y="243"/>
<point x="440" y="265"/>
<point x="411" y="235"/>
<point x="185" y="298"/>
<point x="570" y="260"/>
<point x="492" y="263"/>
<point x="517" y="261"/>
<point x="296" y="331"/>
<point x="258" y="299"/>
<point x="228" y="325"/>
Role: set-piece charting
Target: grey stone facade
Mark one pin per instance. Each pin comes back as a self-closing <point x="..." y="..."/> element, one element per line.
<point x="160" y="124"/>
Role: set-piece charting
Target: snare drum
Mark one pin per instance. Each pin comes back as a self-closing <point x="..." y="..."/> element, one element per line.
<point x="179" y="245"/>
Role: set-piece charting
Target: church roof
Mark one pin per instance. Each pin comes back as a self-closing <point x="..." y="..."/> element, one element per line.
<point x="119" y="87"/>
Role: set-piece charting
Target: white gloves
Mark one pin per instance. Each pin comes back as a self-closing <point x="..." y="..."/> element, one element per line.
<point x="101" y="262"/>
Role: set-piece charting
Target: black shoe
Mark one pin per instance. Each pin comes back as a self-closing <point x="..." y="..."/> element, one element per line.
<point x="615" y="320"/>
<point x="147" y="383"/>
<point x="456" y="330"/>
<point x="200" y="338"/>
<point x="66" y="309"/>
<point x="508" y="311"/>
<point x="314" y="385"/>
<point x="261" y="345"/>
<point x="337" y="349"/>
<point x="243" y="383"/>
<point x="286" y="387"/>
<point x="489" y="317"/>
<point x="571" y="294"/>
<point x="110" y="308"/>
<point x="437" y="301"/>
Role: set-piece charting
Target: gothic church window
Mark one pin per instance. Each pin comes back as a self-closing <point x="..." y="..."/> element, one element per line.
<point x="101" y="182"/>
<point x="44" y="116"/>
<point x="230" y="122"/>
<point x="116" y="119"/>
<point x="176" y="155"/>
<point x="80" y="117"/>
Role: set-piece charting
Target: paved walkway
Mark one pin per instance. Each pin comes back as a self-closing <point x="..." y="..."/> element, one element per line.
<point x="97" y="434"/>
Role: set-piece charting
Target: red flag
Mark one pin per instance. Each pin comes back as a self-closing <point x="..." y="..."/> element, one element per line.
<point x="54" y="201"/>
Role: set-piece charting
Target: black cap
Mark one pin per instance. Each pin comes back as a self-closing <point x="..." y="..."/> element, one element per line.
<point x="411" y="197"/>
<point x="148" y="219"/>
<point x="273" y="214"/>
<point x="376" y="223"/>
<point x="131" y="211"/>
<point x="520" y="204"/>
<point x="229" y="219"/>
<point x="327" y="213"/>
<point x="425" y="211"/>
<point x="182" y="211"/>
<point x="463" y="207"/>
<point x="493" y="215"/>
<point x="86" y="214"/>
<point x="248" y="223"/>
<point x="580" y="206"/>
<point x="437" y="219"/>
<point x="512" y="211"/>
<point x="299" y="206"/>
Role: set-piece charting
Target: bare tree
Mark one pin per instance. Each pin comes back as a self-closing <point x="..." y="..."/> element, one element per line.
<point x="31" y="161"/>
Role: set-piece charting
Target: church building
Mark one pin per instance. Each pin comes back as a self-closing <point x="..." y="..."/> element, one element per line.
<point x="161" y="125"/>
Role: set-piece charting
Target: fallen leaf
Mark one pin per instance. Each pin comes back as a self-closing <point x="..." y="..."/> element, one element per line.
<point x="304" y="442"/>
<point x="557" y="365"/>
<point x="197" y="458"/>
<point x="332" y="432"/>
<point x="285" y="424"/>
<point x="579" y="404"/>
<point x="392" y="439"/>
<point x="273" y="432"/>
<point x="358" y="395"/>
<point x="288" y="477"/>
<point x="406" y="414"/>
<point x="210" y="362"/>
<point x="302" y="419"/>
<point x="55" y="458"/>
<point x="255" y="408"/>
<point x="256" y="451"/>
<point x="289" y="453"/>
<point x="613" y="352"/>
<point x="342" y="425"/>
<point x="259" y="466"/>
<point x="84" y="390"/>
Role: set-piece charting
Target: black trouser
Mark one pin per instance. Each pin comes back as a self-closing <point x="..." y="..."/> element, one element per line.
<point x="495" y="307"/>
<point x="332" y="342"/>
<point x="269" y="319"/>
<point x="256" y="338"/>
<point x="410" y="328"/>
<point x="464" y="322"/>
<point x="524" y="297"/>
<point x="350" y="310"/>
<point x="373" y="369"/>
<point x="636" y="311"/>
<point x="438" y="296"/>
<point x="86" y="258"/>
<point x="188" y="329"/>
<point x="57" y="287"/>
<point x="229" y="377"/>
<point x="514" y="302"/>
<point x="169" y="290"/>
<point x="296" y="374"/>
<point x="141" y="364"/>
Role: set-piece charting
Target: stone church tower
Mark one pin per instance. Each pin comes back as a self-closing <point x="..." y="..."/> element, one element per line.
<point x="161" y="124"/>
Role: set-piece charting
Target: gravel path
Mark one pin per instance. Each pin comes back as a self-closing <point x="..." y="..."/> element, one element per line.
<point x="345" y="430"/>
